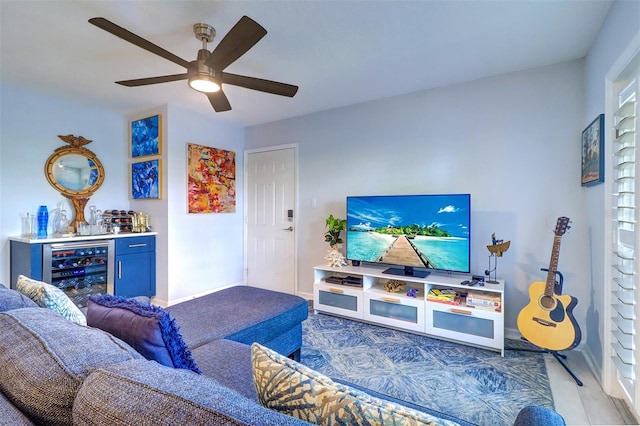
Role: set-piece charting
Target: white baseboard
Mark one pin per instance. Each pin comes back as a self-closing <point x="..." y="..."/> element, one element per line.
<point x="512" y="333"/>
<point x="597" y="372"/>
<point x="164" y="303"/>
<point x="159" y="302"/>
<point x="304" y="295"/>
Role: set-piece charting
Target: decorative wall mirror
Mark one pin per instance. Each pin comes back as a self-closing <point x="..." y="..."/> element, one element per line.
<point x="76" y="172"/>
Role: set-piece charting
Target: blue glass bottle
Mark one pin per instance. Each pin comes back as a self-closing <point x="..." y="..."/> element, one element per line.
<point x="43" y="221"/>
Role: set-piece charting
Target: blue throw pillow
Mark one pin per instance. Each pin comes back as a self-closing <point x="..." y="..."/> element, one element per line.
<point x="149" y="329"/>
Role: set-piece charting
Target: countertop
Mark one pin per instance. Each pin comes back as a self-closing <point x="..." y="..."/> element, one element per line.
<point x="52" y="239"/>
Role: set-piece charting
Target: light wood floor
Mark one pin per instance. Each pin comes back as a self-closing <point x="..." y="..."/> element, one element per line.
<point x="587" y="404"/>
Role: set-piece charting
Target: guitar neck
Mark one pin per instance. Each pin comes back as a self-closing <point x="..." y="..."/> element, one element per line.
<point x="553" y="266"/>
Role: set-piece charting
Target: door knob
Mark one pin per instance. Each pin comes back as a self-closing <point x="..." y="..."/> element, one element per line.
<point x="288" y="229"/>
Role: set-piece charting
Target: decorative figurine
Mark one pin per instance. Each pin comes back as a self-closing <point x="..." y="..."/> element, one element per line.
<point x="496" y="249"/>
<point x="335" y="259"/>
<point x="498" y="246"/>
<point x="412" y="292"/>
<point x="393" y="286"/>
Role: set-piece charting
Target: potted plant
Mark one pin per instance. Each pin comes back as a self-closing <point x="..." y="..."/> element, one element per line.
<point x="335" y="227"/>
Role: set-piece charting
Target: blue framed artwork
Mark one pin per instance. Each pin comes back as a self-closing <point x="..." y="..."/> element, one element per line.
<point x="146" y="180"/>
<point x="146" y="136"/>
<point x="593" y="152"/>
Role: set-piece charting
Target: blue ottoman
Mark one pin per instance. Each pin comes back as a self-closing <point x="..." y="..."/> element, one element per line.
<point x="245" y="315"/>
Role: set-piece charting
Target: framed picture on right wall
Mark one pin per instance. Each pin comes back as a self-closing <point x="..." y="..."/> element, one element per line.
<point x="593" y="152"/>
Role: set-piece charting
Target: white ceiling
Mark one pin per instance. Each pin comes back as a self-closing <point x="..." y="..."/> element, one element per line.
<point x="338" y="52"/>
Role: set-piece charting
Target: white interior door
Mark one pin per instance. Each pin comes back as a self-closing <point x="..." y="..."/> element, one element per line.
<point x="270" y="220"/>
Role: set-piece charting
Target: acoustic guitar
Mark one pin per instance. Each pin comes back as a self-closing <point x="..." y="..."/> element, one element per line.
<point x="547" y="321"/>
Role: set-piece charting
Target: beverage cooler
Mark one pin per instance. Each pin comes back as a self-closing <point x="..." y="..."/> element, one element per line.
<point x="80" y="269"/>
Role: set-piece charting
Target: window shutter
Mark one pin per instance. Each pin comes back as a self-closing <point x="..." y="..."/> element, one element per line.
<point x="625" y="241"/>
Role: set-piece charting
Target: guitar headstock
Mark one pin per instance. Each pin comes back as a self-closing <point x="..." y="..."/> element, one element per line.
<point x="562" y="225"/>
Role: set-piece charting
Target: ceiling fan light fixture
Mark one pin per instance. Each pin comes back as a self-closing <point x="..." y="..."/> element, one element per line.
<point x="203" y="84"/>
<point x="201" y="77"/>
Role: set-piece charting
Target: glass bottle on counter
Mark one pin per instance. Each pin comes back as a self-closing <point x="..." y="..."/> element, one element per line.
<point x="29" y="225"/>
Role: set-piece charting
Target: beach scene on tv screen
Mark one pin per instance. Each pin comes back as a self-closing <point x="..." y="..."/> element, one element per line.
<point x="430" y="231"/>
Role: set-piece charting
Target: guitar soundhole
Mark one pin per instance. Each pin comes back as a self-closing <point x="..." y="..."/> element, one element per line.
<point x="547" y="302"/>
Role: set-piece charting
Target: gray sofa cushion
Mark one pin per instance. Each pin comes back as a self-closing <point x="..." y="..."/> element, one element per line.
<point x="229" y="363"/>
<point x="45" y="358"/>
<point x="12" y="299"/>
<point x="142" y="392"/>
<point x="243" y="314"/>
<point x="10" y="415"/>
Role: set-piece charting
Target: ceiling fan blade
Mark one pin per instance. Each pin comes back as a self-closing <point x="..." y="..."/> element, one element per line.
<point x="117" y="30"/>
<point x="153" y="80"/>
<point x="260" y="84"/>
<point x="219" y="101"/>
<point x="242" y="37"/>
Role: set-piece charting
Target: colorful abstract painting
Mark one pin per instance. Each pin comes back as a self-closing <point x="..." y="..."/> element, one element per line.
<point x="145" y="179"/>
<point x="211" y="179"/>
<point x="146" y="136"/>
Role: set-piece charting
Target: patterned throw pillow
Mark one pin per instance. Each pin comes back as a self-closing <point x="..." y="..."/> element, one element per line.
<point x="149" y="329"/>
<point x="291" y="388"/>
<point x="51" y="297"/>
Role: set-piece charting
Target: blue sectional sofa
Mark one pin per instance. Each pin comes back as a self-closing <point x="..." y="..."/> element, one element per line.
<point x="56" y="372"/>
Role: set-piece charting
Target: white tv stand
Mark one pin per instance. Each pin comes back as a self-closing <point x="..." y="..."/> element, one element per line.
<point x="372" y="303"/>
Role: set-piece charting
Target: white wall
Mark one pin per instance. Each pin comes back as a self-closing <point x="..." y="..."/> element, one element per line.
<point x="195" y="253"/>
<point x="29" y="127"/>
<point x="206" y="249"/>
<point x="622" y="23"/>
<point x="511" y="141"/>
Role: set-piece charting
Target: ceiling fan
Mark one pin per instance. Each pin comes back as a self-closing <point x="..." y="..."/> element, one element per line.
<point x="206" y="74"/>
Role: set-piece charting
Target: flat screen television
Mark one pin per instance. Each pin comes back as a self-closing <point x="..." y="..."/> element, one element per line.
<point x="413" y="234"/>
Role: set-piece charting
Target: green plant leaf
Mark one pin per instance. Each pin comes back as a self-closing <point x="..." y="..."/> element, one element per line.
<point x="335" y="226"/>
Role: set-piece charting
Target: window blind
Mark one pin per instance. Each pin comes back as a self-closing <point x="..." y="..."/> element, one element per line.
<point x="625" y="241"/>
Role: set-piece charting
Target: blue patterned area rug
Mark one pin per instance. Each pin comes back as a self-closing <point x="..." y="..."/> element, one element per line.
<point x="473" y="384"/>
